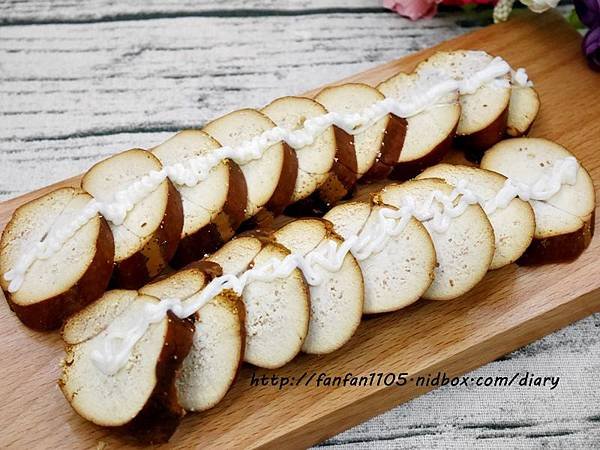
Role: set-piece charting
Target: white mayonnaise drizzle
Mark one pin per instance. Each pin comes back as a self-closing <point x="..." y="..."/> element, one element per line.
<point x="564" y="171"/>
<point x="519" y="78"/>
<point x="194" y="170"/>
<point x="115" y="346"/>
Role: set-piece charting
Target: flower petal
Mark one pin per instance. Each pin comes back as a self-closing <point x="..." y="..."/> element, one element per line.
<point x="588" y="12"/>
<point x="591" y="48"/>
<point x="413" y="9"/>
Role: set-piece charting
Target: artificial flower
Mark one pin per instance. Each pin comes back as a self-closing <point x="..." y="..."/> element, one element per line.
<point x="468" y="2"/>
<point x="413" y="9"/>
<point x="591" y="48"/>
<point x="502" y="10"/>
<point x="588" y="12"/>
<point x="539" y="6"/>
<point x="504" y="7"/>
<point x="418" y="9"/>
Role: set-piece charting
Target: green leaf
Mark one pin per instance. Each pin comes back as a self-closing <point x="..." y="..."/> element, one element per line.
<point x="574" y="21"/>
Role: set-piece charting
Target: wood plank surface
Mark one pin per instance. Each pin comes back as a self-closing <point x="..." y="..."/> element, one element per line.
<point x="509" y="308"/>
<point x="73" y="93"/>
<point x="70" y="11"/>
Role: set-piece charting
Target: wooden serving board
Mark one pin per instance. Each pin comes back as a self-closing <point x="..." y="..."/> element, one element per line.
<point x="511" y="307"/>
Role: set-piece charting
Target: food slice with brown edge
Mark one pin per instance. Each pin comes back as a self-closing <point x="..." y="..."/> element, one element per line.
<point x="342" y="178"/>
<point x="377" y="147"/>
<point x="213" y="209"/>
<point x="147" y="239"/>
<point x="565" y="222"/>
<point x="402" y="271"/>
<point x="464" y="251"/>
<point x="271" y="179"/>
<point x="210" y="367"/>
<point x="141" y="397"/>
<point x="430" y="133"/>
<point x="522" y="110"/>
<point x="315" y="160"/>
<point x="326" y="170"/>
<point x="277" y="311"/>
<point x="484" y="113"/>
<point x="514" y="225"/>
<point x="77" y="274"/>
<point x="336" y="304"/>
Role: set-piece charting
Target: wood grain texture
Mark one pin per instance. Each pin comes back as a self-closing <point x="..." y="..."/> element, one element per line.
<point x="72" y="94"/>
<point x="18" y="12"/>
<point x="509" y="308"/>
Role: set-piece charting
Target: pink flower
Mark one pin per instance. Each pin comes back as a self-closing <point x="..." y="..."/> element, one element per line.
<point x="413" y="9"/>
<point x="418" y="9"/>
<point x="469" y="2"/>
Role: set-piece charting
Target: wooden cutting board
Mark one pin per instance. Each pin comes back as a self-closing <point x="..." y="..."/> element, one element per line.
<point x="511" y="307"/>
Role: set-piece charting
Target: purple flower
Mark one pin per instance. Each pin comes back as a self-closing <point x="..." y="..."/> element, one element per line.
<point x="588" y="12"/>
<point x="591" y="48"/>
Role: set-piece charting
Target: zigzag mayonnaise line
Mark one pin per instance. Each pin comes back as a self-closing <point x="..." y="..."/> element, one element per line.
<point x="197" y="169"/>
<point x="115" y="347"/>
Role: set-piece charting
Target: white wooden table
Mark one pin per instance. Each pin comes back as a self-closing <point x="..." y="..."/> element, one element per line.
<point x="82" y="80"/>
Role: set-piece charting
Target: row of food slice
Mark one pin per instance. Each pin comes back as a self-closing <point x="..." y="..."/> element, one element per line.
<point x="272" y="321"/>
<point x="177" y="224"/>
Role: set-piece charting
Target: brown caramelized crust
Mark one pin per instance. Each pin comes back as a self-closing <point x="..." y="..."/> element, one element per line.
<point x="50" y="313"/>
<point x="409" y="169"/>
<point x="160" y="416"/>
<point x="222" y="228"/>
<point x="345" y="166"/>
<point x="557" y="249"/>
<point x="287" y="181"/>
<point x="475" y="145"/>
<point x="339" y="184"/>
<point x="391" y="147"/>
<point x="135" y="271"/>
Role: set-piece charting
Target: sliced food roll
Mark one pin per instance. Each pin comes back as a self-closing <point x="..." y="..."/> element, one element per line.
<point x="341" y="180"/>
<point x="213" y="209"/>
<point x="326" y="167"/>
<point x="429" y="133"/>
<point x="277" y="309"/>
<point x="564" y="220"/>
<point x="377" y="146"/>
<point x="343" y="176"/>
<point x="270" y="179"/>
<point x="484" y="112"/>
<point x="66" y="279"/>
<point x="402" y="271"/>
<point x="464" y="248"/>
<point x="211" y="365"/>
<point x="513" y="225"/>
<point x="314" y="160"/>
<point x="147" y="238"/>
<point x="336" y="303"/>
<point x="522" y="110"/>
<point x="141" y="396"/>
